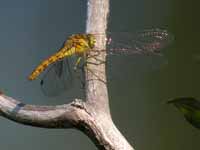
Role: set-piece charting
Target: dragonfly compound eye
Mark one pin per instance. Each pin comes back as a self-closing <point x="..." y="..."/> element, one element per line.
<point x="91" y="40"/>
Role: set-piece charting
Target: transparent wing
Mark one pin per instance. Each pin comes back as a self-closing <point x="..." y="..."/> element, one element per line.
<point x="58" y="78"/>
<point x="143" y="42"/>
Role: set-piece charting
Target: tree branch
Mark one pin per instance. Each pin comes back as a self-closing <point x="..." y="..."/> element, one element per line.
<point x="61" y="116"/>
<point x="96" y="89"/>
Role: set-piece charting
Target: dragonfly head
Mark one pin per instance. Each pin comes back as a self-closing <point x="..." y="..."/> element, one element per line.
<point x="91" y="40"/>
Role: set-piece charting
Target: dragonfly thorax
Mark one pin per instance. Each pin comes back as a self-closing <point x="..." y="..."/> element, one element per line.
<point x="81" y="42"/>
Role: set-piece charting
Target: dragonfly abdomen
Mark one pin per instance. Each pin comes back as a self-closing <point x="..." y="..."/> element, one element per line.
<point x="64" y="52"/>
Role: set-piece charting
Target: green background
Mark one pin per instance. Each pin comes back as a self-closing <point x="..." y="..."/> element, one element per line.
<point x="138" y="86"/>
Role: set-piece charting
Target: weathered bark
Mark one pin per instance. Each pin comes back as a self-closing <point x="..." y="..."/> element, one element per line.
<point x="91" y="116"/>
<point x="96" y="90"/>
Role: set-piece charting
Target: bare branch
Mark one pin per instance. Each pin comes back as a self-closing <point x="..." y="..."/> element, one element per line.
<point x="61" y="116"/>
<point x="96" y="89"/>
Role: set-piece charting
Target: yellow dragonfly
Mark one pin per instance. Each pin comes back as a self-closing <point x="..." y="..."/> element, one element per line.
<point x="143" y="42"/>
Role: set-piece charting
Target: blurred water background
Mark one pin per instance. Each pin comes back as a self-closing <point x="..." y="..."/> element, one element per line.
<point x="138" y="86"/>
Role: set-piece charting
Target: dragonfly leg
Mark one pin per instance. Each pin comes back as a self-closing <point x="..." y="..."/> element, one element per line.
<point x="84" y="66"/>
<point x="77" y="63"/>
<point x="93" y="73"/>
<point x="95" y="63"/>
<point x="97" y="59"/>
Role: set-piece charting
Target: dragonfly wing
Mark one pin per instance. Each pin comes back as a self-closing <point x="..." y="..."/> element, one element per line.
<point x="58" y="78"/>
<point x="143" y="42"/>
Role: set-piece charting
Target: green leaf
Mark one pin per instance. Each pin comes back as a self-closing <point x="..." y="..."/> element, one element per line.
<point x="189" y="107"/>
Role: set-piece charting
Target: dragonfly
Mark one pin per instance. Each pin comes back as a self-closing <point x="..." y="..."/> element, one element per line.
<point x="150" y="41"/>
